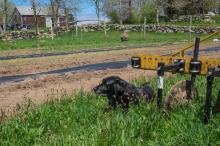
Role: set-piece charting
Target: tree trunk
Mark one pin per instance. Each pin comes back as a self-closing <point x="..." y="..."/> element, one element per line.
<point x="56" y="14"/>
<point x="98" y="15"/>
<point x="97" y="11"/>
<point x="66" y="18"/>
<point x="5" y="16"/>
<point x="130" y="10"/>
<point x="36" y="25"/>
<point x="34" y="7"/>
<point x="158" y="4"/>
<point x="120" y="13"/>
<point x="157" y="17"/>
<point x="36" y="22"/>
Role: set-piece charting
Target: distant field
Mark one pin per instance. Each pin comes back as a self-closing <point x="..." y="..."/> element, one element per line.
<point x="82" y="120"/>
<point x="88" y="40"/>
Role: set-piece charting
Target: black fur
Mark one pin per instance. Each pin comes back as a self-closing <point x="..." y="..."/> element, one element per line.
<point x="121" y="93"/>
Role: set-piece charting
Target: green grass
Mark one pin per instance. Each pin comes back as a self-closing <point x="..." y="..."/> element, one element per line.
<point x="88" y="40"/>
<point x="82" y="120"/>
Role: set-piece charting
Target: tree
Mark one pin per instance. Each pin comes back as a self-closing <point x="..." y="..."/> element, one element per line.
<point x="6" y="8"/>
<point x="69" y="7"/>
<point x="122" y="10"/>
<point x="158" y="5"/>
<point x="213" y="5"/>
<point x="54" y="11"/>
<point x="98" y="7"/>
<point x="36" y="10"/>
<point x="149" y="11"/>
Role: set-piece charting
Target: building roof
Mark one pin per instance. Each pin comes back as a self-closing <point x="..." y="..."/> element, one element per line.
<point x="25" y="10"/>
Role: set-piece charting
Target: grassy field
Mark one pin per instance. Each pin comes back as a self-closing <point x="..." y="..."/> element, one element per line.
<point x="88" y="40"/>
<point x="82" y="120"/>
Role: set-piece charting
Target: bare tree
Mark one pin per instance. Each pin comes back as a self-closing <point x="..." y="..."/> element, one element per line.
<point x="55" y="7"/>
<point x="69" y="7"/>
<point x="98" y="6"/>
<point x="6" y="8"/>
<point x="159" y="6"/>
<point x="34" y="4"/>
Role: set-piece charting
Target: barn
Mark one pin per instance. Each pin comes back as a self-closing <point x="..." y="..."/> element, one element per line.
<point x="24" y="15"/>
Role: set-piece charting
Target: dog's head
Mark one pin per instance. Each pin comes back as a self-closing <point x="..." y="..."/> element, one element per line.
<point x="101" y="89"/>
<point x="107" y="86"/>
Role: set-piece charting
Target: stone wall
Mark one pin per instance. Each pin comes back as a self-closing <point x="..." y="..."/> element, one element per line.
<point x="20" y="35"/>
<point x="149" y="28"/>
<point x="195" y="18"/>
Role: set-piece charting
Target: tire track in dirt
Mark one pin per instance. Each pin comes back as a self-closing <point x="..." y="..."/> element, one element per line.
<point x="89" y="67"/>
<point x="71" y="52"/>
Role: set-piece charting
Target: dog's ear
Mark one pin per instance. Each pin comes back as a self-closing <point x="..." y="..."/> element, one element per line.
<point x="110" y="82"/>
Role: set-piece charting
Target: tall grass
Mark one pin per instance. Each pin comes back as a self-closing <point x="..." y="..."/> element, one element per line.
<point x="88" y="40"/>
<point x="83" y="120"/>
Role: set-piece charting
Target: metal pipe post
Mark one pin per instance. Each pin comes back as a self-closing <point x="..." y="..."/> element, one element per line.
<point x="160" y="80"/>
<point x="193" y="76"/>
<point x="217" y="104"/>
<point x="210" y="79"/>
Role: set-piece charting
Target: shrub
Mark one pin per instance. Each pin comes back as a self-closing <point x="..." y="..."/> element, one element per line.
<point x="148" y="11"/>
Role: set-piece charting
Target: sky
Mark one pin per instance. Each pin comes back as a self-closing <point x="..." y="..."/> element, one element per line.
<point x="87" y="10"/>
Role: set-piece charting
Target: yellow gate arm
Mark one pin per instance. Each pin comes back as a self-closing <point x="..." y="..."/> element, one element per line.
<point x="181" y="52"/>
<point x="150" y="62"/>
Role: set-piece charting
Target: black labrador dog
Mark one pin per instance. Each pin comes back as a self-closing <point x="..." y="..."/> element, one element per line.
<point x="121" y="93"/>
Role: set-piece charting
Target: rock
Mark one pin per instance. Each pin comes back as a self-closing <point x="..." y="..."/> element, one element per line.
<point x="211" y="14"/>
<point x="215" y="40"/>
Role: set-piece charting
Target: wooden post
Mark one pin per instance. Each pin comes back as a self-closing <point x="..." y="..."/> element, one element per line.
<point x="76" y="30"/>
<point x="105" y="28"/>
<point x="190" y="28"/>
<point x="145" y="26"/>
<point x="52" y="33"/>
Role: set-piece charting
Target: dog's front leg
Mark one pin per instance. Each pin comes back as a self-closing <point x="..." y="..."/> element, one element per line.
<point x="125" y="104"/>
<point x="112" y="101"/>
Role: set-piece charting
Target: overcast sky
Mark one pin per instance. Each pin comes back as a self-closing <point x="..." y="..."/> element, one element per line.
<point x="87" y="10"/>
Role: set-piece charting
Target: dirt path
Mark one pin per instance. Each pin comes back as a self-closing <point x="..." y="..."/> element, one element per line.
<point x="36" y="65"/>
<point x="54" y="86"/>
<point x="39" y="55"/>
